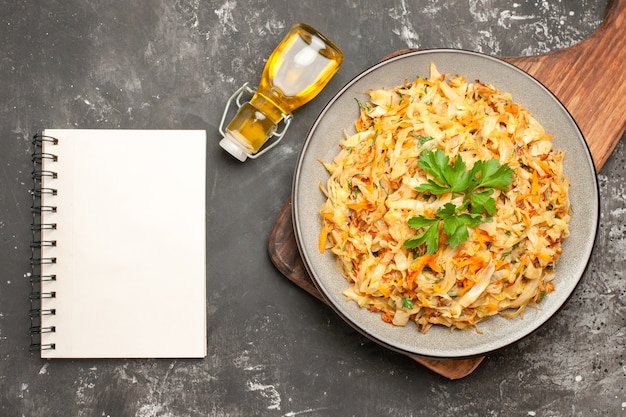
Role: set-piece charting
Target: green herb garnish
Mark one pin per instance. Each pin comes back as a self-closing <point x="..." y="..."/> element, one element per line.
<point x="362" y="105"/>
<point x="422" y="139"/>
<point x="407" y="303"/>
<point x="476" y="185"/>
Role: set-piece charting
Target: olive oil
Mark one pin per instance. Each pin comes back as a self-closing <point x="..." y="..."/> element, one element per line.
<point x="297" y="70"/>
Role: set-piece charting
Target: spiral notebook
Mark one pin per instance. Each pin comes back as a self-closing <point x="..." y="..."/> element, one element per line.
<point x="119" y="245"/>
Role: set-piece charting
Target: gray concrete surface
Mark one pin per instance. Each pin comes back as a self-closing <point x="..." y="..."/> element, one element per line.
<point x="273" y="349"/>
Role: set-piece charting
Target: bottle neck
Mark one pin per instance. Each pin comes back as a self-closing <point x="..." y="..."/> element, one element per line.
<point x="267" y="107"/>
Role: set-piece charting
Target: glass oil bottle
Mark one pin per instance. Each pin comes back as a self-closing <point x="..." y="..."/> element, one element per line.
<point x="296" y="71"/>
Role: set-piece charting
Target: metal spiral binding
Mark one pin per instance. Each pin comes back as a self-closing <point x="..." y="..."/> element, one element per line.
<point x="36" y="277"/>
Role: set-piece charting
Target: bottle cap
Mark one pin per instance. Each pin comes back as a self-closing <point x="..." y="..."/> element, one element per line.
<point x="232" y="147"/>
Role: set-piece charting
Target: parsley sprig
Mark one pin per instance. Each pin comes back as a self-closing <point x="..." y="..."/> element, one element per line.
<point x="476" y="185"/>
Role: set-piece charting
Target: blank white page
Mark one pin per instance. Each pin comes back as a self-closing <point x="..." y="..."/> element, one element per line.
<point x="131" y="244"/>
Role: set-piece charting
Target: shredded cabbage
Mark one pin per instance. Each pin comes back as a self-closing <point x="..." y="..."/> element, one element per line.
<point x="504" y="265"/>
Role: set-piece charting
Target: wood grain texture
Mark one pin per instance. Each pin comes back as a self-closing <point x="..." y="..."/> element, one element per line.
<point x="588" y="78"/>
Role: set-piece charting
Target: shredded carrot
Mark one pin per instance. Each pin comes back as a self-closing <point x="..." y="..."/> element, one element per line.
<point x="492" y="307"/>
<point x="410" y="279"/>
<point x="423" y="261"/>
<point x="535" y="189"/>
<point x="387" y="316"/>
<point x="384" y="290"/>
<point x="323" y="238"/>
<point x="544" y="256"/>
<point x="482" y="237"/>
<point x="361" y="205"/>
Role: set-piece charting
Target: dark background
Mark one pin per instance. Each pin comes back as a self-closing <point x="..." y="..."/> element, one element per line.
<point x="274" y="350"/>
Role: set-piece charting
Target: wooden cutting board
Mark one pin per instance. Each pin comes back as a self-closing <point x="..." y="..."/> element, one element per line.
<point x="590" y="80"/>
